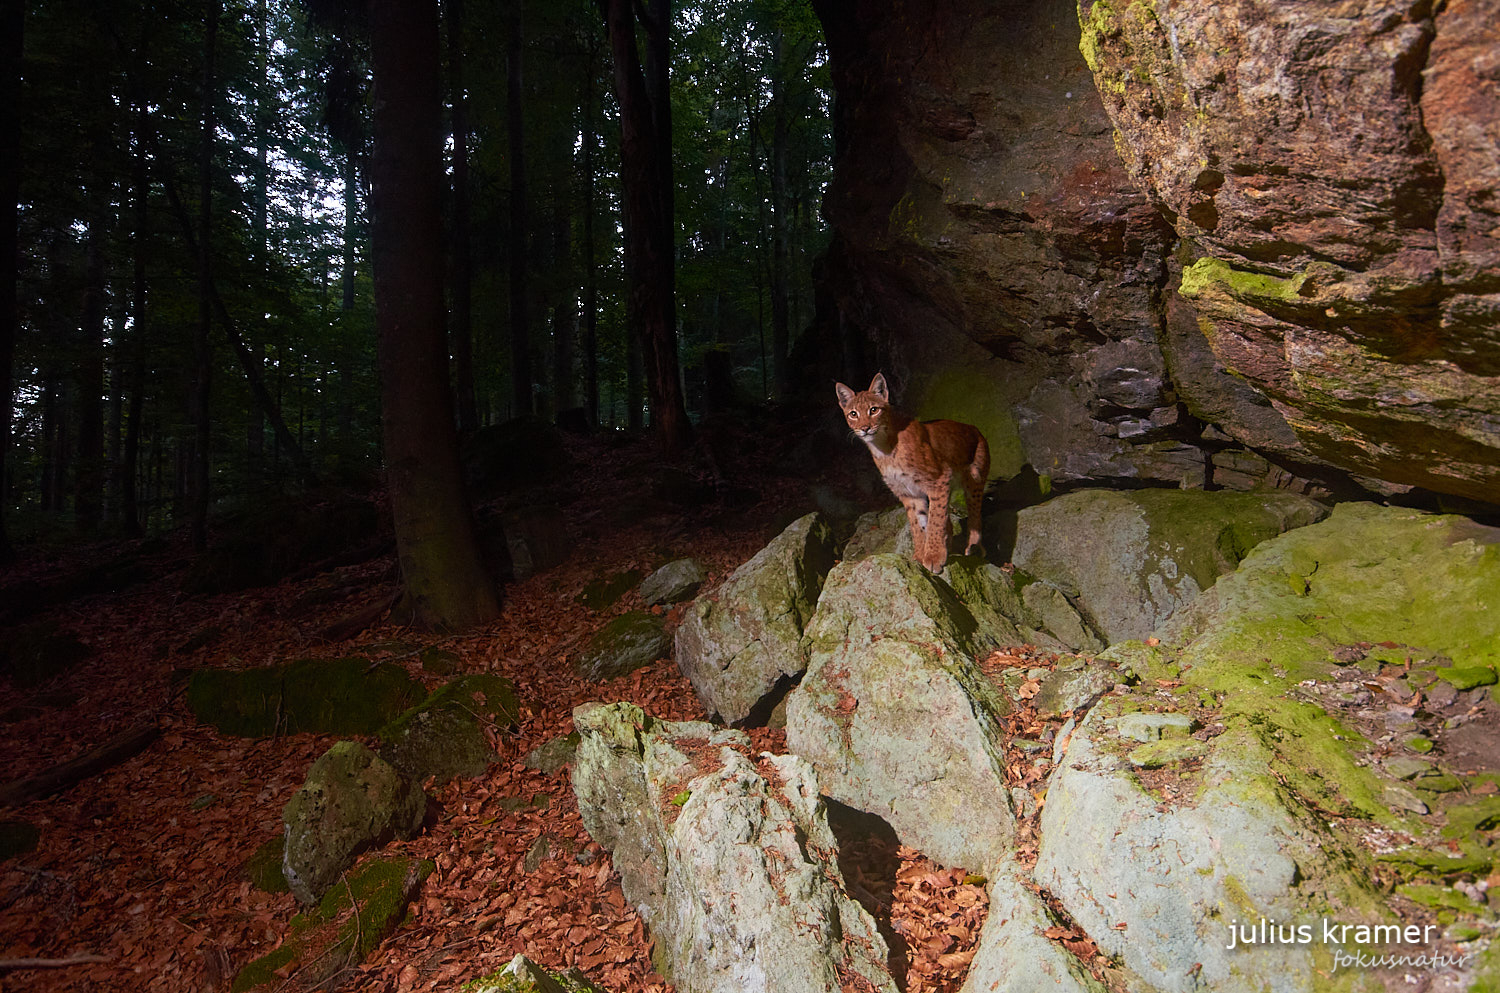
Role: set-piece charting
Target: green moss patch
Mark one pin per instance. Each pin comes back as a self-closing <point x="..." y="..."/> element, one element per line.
<point x="444" y="735"/>
<point x="350" y="696"/>
<point x="263" y="868"/>
<point x="333" y="936"/>
<point x="605" y="591"/>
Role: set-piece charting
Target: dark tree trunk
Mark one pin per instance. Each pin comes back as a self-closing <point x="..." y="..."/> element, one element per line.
<point x="520" y="339"/>
<point x="346" y="305"/>
<point x="780" y="226"/>
<point x="646" y="179"/>
<point x="88" y="474"/>
<point x="202" y="350"/>
<point x="446" y="586"/>
<point x="462" y="266"/>
<point x="590" y="332"/>
<point x="565" y="306"/>
<point x="12" y="22"/>
<point x="130" y="517"/>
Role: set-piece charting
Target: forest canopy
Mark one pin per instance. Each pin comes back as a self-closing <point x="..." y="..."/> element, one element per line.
<point x="194" y="318"/>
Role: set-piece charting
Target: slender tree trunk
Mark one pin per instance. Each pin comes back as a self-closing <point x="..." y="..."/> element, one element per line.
<point x="646" y="178"/>
<point x="780" y="226"/>
<point x="565" y="306"/>
<point x="88" y="474"/>
<point x="521" y="378"/>
<point x="130" y="517"/>
<point x="462" y="266"/>
<point x="590" y="341"/>
<point x="12" y="23"/>
<point x="446" y="586"/>
<point x="346" y="305"/>
<point x="202" y="350"/>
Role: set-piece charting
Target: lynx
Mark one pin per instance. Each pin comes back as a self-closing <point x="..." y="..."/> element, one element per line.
<point x="921" y="462"/>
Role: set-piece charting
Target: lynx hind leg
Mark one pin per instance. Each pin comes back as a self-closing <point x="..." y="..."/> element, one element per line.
<point x="975" y="478"/>
<point x="936" y="552"/>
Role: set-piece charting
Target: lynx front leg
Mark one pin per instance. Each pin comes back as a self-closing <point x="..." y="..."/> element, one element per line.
<point x="916" y="516"/>
<point x="935" y="555"/>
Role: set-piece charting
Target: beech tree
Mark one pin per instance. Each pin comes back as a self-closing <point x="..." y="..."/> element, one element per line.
<point x="446" y="585"/>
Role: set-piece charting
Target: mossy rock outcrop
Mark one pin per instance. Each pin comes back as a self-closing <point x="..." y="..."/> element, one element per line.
<point x="520" y="452"/>
<point x="1266" y="817"/>
<point x="894" y="713"/>
<point x="1130" y="560"/>
<point x="443" y="736"/>
<point x="730" y="862"/>
<point x="338" y="934"/>
<point x="740" y="645"/>
<point x="352" y="800"/>
<point x="622" y="646"/>
<point x="328" y="696"/>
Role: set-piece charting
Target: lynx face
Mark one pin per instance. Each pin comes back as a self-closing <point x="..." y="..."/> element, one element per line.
<point x="866" y="412"/>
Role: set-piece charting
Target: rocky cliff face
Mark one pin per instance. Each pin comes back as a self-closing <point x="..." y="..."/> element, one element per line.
<point x="1163" y="242"/>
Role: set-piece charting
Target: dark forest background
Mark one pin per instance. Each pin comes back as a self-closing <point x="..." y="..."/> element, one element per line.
<point x="622" y="198"/>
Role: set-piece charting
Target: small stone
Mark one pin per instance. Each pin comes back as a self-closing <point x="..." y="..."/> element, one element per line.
<point x="674" y="582"/>
<point x="1399" y="798"/>
<point x="1418" y="743"/>
<point x="1155" y="754"/>
<point x="551" y="756"/>
<point x="1443" y="694"/>
<point x="622" y="646"/>
<point x="1153" y="727"/>
<point x="1406" y="767"/>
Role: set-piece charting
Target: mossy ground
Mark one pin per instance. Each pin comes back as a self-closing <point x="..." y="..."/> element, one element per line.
<point x="323" y="941"/>
<point x="348" y="696"/>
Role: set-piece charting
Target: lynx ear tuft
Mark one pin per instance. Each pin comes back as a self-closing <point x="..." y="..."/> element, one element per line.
<point x="845" y="394"/>
<point x="878" y="387"/>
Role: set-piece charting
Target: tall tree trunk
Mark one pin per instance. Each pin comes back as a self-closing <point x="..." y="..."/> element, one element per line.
<point x="646" y="179"/>
<point x="202" y="350"/>
<point x="590" y="341"/>
<point x="520" y="339"/>
<point x="12" y="23"/>
<point x="88" y="475"/>
<point x="346" y="306"/>
<point x="255" y="427"/>
<point x="780" y="223"/>
<point x="565" y="306"/>
<point x="446" y="586"/>
<point x="462" y="265"/>
<point x="130" y="517"/>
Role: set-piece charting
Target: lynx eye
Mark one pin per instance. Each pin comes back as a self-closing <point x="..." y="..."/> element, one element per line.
<point x="873" y="410"/>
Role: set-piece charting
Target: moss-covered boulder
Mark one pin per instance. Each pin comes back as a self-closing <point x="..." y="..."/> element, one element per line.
<point x="35" y="653"/>
<point x="352" y="800"/>
<point x="622" y="646"/>
<point x="603" y="592"/>
<point x="1130" y="560"/>
<point x="327" y="696"/>
<point x="521" y="975"/>
<point x="444" y="735"/>
<point x="1158" y="879"/>
<point x="1270" y="817"/>
<point x="894" y="713"/>
<point x="339" y="932"/>
<point x="741" y="644"/>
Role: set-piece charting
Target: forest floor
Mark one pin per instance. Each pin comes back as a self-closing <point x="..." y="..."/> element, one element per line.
<point x="143" y="864"/>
